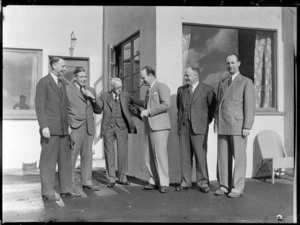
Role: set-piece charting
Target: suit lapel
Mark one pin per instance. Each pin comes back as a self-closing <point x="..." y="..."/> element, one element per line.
<point x="109" y="100"/>
<point x="184" y="93"/>
<point x="153" y="90"/>
<point x="197" y="92"/>
<point x="54" y="86"/>
<point x="228" y="90"/>
<point x="77" y="92"/>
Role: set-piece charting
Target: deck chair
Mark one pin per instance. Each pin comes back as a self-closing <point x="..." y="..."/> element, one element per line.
<point x="273" y="152"/>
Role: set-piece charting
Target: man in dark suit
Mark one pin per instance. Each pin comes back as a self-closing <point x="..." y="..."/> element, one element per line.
<point x="196" y="104"/>
<point x="157" y="126"/>
<point x="82" y="104"/>
<point x="233" y="122"/>
<point x="52" y="114"/>
<point x="116" y="124"/>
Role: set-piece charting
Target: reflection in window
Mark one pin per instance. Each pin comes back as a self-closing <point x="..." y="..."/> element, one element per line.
<point x="207" y="48"/>
<point x="20" y="75"/>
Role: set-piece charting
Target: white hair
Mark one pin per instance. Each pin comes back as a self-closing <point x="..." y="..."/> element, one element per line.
<point x="114" y="81"/>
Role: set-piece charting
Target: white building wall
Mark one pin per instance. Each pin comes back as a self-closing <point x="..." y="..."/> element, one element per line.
<point x="169" y="59"/>
<point x="49" y="28"/>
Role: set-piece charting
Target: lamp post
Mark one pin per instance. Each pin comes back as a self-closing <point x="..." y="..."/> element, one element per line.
<point x="73" y="43"/>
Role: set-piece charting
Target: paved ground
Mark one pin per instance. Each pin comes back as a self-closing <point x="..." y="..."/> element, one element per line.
<point x="261" y="202"/>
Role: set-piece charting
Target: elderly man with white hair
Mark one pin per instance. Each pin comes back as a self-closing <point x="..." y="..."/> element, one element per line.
<point x="116" y="124"/>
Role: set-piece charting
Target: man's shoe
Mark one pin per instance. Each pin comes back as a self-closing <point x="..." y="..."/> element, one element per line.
<point x="220" y="192"/>
<point x="50" y="198"/>
<point x="180" y="188"/>
<point x="233" y="195"/>
<point x="90" y="187"/>
<point x="111" y="185"/>
<point x="124" y="183"/>
<point x="163" y="189"/>
<point x="70" y="194"/>
<point x="149" y="187"/>
<point x="204" y="189"/>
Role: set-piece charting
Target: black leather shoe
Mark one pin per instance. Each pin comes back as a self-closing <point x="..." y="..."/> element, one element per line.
<point x="204" y="189"/>
<point x="90" y="187"/>
<point x="149" y="187"/>
<point x="163" y="189"/>
<point x="111" y="185"/>
<point x="124" y="183"/>
<point x="50" y="198"/>
<point x="180" y="188"/>
<point x="70" y="194"/>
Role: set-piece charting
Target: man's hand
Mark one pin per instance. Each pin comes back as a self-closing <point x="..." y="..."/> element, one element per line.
<point x="88" y="94"/>
<point x="246" y="132"/>
<point x="46" y="132"/>
<point x="145" y="113"/>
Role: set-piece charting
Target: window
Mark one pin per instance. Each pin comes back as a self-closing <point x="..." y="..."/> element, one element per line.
<point x="22" y="68"/>
<point x="128" y="60"/>
<point x="71" y="64"/>
<point x="207" y="47"/>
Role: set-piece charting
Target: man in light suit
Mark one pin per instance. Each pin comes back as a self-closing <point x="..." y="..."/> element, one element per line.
<point x="52" y="114"/>
<point x="116" y="124"/>
<point x="82" y="104"/>
<point x="157" y="126"/>
<point x="196" y="104"/>
<point x="233" y="122"/>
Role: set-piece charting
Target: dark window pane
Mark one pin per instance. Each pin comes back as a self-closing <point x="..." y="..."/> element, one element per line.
<point x="136" y="46"/>
<point x="127" y="84"/>
<point x="136" y="63"/>
<point x="127" y="51"/>
<point x="127" y="69"/>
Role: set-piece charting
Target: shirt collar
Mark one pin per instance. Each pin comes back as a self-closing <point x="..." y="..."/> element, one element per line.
<point x="195" y="85"/>
<point x="54" y="77"/>
<point x="234" y="75"/>
<point x="77" y="85"/>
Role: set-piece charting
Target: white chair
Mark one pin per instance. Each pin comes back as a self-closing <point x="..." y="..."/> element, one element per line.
<point x="273" y="152"/>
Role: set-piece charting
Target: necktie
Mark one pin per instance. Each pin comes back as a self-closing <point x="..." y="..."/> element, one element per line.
<point x="82" y="91"/>
<point x="116" y="97"/>
<point x="229" y="81"/>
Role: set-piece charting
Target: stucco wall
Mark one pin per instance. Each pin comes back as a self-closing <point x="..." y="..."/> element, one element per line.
<point x="169" y="62"/>
<point x="49" y="28"/>
<point x="121" y="22"/>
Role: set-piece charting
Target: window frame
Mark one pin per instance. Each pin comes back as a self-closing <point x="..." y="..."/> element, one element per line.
<point x="120" y="63"/>
<point x="258" y="111"/>
<point x="29" y="114"/>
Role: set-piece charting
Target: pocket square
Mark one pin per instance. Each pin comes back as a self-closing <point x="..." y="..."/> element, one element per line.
<point x="155" y="93"/>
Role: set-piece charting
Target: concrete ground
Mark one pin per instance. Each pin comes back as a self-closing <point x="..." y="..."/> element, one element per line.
<point x="262" y="202"/>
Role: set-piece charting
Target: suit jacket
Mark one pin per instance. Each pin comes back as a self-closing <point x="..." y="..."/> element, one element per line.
<point x="51" y="106"/>
<point x="80" y="108"/>
<point x="202" y="107"/>
<point x="235" y="110"/>
<point x="158" y="102"/>
<point x="105" y="103"/>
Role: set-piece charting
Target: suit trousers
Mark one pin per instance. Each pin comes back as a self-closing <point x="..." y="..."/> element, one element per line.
<point x="83" y="145"/>
<point x="55" y="150"/>
<point x="156" y="156"/>
<point x="121" y="135"/>
<point x="193" y="144"/>
<point x="230" y="146"/>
